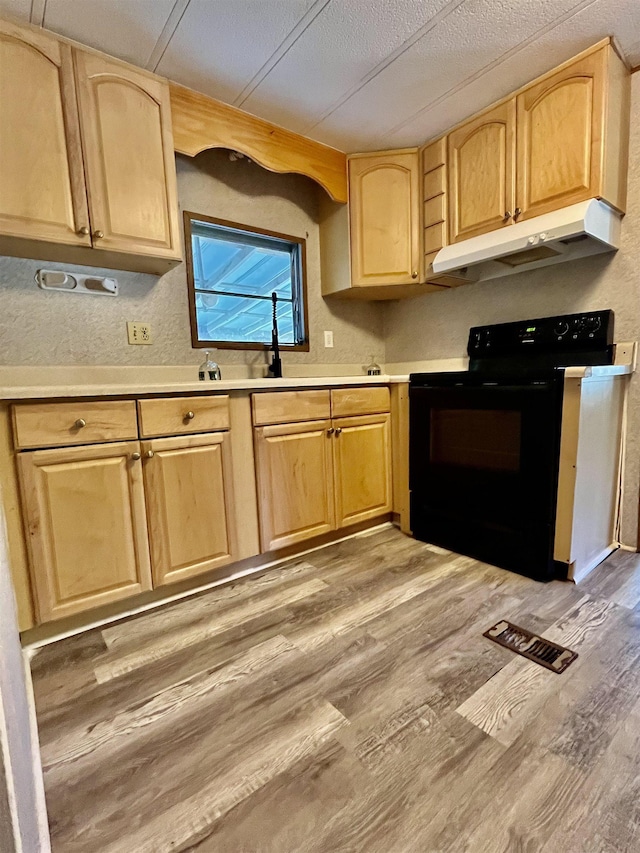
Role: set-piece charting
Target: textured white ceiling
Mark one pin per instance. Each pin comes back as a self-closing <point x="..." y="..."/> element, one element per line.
<point x="357" y="74"/>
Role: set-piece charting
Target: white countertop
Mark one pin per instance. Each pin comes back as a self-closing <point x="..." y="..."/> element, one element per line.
<point x="120" y="389"/>
<point x="52" y="382"/>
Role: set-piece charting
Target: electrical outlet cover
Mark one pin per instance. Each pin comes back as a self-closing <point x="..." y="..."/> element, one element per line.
<point x="139" y="333"/>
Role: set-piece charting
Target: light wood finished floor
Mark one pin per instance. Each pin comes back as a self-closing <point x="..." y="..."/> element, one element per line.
<point x="349" y="702"/>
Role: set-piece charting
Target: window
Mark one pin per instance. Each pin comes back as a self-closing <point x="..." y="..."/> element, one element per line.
<point x="232" y="271"/>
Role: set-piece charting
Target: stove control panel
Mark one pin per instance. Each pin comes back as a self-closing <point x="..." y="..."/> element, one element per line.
<point x="568" y="334"/>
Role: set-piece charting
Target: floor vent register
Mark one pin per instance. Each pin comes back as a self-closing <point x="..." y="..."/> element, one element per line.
<point x="523" y="642"/>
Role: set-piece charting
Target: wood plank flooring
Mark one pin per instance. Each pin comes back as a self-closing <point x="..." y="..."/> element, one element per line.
<point x="348" y="701"/>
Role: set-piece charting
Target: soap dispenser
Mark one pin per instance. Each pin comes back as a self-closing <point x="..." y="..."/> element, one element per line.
<point x="209" y="369"/>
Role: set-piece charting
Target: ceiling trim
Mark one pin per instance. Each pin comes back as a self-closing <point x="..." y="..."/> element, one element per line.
<point x="285" y="46"/>
<point x="431" y="24"/>
<point x="168" y="32"/>
<point x="454" y="90"/>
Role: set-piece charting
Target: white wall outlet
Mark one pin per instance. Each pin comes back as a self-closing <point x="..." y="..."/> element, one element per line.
<point x="139" y="333"/>
<point x="328" y="339"/>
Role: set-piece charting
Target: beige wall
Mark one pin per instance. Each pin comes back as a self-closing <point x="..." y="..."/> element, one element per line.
<point x="436" y="326"/>
<point x="37" y="327"/>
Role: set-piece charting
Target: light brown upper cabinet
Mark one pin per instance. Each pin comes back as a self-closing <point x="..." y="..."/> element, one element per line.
<point x="481" y="155"/>
<point x="384" y="210"/>
<point x="87" y="169"/>
<point x="125" y="119"/>
<point x="42" y="193"/>
<point x="561" y="140"/>
<point x="568" y="136"/>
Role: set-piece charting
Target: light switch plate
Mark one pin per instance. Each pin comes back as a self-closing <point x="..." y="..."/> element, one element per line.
<point x="139" y="333"/>
<point x="328" y="339"/>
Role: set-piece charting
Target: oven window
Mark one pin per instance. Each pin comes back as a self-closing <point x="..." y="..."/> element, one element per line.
<point x="476" y="438"/>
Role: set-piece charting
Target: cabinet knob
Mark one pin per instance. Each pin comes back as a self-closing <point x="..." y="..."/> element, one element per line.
<point x="507" y="216"/>
<point x="98" y="234"/>
<point x="135" y="456"/>
<point x="80" y="423"/>
<point x="338" y="430"/>
<point x="149" y="454"/>
<point x="516" y="213"/>
<point x="84" y="231"/>
<point x="330" y="431"/>
<point x="189" y="416"/>
<point x="414" y="274"/>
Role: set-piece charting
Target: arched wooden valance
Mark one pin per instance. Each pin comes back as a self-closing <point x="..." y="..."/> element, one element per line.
<point x="200" y="122"/>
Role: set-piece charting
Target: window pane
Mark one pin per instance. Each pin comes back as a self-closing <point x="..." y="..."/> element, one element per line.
<point x="232" y="276"/>
<point x="242" y="319"/>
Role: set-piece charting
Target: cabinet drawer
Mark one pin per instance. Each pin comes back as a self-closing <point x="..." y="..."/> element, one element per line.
<point x="285" y="407"/>
<point x="60" y="424"/>
<point x="359" y="401"/>
<point x="180" y="415"/>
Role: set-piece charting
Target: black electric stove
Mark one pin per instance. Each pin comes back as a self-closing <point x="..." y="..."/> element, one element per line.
<point x="485" y="443"/>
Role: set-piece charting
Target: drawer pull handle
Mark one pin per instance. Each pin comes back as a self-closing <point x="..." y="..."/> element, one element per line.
<point x="338" y="430"/>
<point x="149" y="454"/>
<point x="84" y="231"/>
<point x="189" y="416"/>
<point x="135" y="456"/>
<point x="414" y="274"/>
<point x="330" y="431"/>
<point x="507" y="216"/>
<point x="98" y="234"/>
<point x="80" y="423"/>
<point x="517" y="212"/>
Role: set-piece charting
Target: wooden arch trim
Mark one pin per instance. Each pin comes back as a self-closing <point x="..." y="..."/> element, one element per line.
<point x="200" y="122"/>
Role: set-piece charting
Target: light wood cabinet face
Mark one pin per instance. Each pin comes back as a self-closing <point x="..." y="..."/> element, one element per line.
<point x="560" y="137"/>
<point x="384" y="208"/>
<point x="42" y="192"/>
<point x="125" y="118"/>
<point x="294" y="468"/>
<point x="85" y="516"/>
<point x="481" y="173"/>
<point x="362" y="465"/>
<point x="188" y="490"/>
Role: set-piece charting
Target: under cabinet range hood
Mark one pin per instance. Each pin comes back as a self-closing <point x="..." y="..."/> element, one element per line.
<point x="587" y="228"/>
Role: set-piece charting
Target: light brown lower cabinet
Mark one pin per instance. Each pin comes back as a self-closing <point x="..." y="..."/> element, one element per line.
<point x="362" y="468"/>
<point x="84" y="513"/>
<point x="319" y="476"/>
<point x="189" y="495"/>
<point x="294" y="470"/>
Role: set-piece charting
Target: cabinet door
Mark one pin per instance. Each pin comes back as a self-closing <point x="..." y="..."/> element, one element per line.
<point x="362" y="465"/>
<point x="294" y="470"/>
<point x="189" y="497"/>
<point x="384" y="211"/>
<point x="561" y="138"/>
<point x="125" y="118"/>
<point x="42" y="190"/>
<point x="481" y="157"/>
<point x="85" y="515"/>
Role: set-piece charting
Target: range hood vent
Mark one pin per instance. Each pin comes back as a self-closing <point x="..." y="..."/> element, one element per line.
<point x="587" y="228"/>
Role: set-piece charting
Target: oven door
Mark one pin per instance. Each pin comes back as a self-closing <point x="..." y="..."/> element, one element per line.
<point x="484" y="459"/>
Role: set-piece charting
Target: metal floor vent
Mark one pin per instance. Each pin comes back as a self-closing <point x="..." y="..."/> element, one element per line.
<point x="547" y="654"/>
